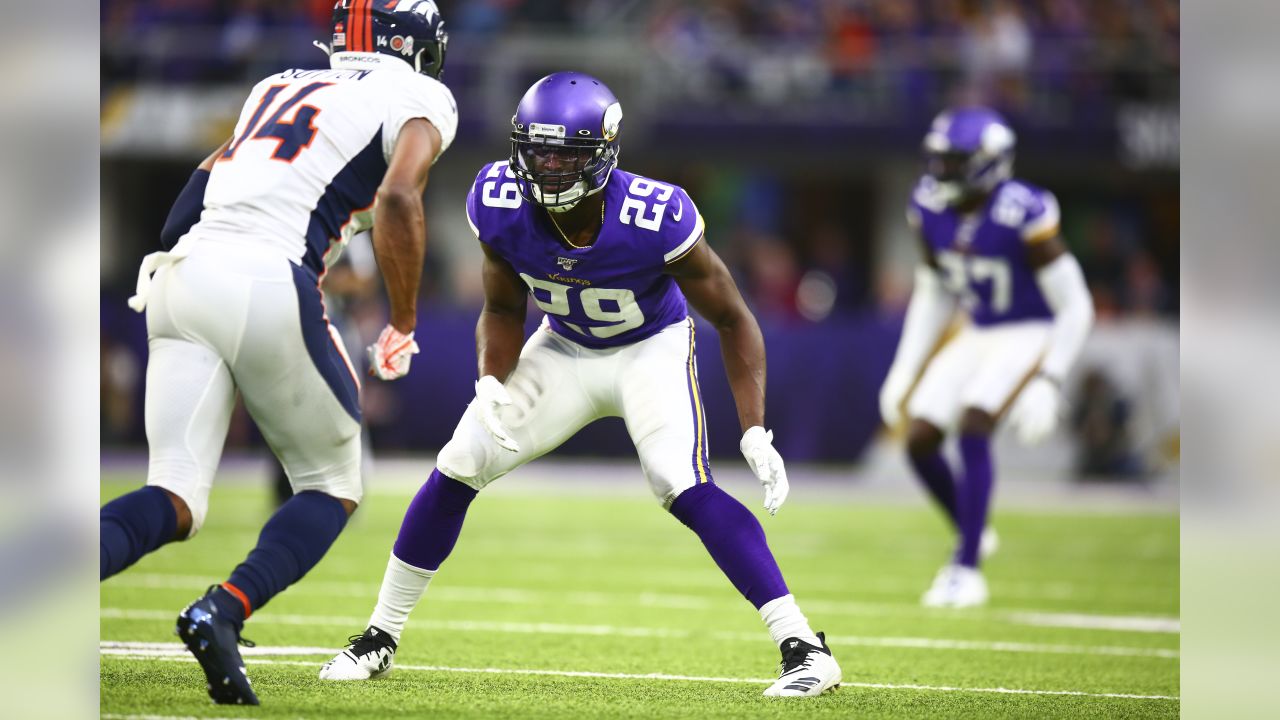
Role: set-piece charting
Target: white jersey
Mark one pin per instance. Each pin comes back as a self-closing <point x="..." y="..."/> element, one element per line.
<point x="309" y="152"/>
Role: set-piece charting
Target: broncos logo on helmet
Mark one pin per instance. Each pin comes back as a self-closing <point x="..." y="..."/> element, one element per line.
<point x="409" y="30"/>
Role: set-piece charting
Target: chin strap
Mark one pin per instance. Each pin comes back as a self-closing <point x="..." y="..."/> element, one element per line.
<point x="323" y="48"/>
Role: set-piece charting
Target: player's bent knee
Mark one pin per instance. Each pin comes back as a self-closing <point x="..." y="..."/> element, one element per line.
<point x="975" y="421"/>
<point x="190" y="511"/>
<point x="184" y="522"/>
<point x="467" y="460"/>
<point x="666" y="487"/>
<point x="923" y="438"/>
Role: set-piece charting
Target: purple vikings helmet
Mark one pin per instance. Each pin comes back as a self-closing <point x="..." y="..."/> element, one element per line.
<point x="409" y="30"/>
<point x="968" y="151"/>
<point x="564" y="139"/>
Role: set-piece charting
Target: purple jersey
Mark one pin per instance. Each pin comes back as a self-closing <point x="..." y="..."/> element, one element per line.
<point x="983" y="256"/>
<point x="614" y="292"/>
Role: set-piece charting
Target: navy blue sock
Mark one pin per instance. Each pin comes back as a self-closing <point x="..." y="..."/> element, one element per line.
<point x="131" y="526"/>
<point x="735" y="540"/>
<point x="433" y="521"/>
<point x="291" y="543"/>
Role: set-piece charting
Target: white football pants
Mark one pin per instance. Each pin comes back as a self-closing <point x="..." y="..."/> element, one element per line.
<point x="227" y="318"/>
<point x="981" y="367"/>
<point x="559" y="386"/>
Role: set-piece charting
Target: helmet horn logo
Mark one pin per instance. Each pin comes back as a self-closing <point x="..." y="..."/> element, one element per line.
<point x="612" y="121"/>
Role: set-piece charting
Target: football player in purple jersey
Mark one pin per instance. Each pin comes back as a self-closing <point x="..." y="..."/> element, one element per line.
<point x="990" y="245"/>
<point x="613" y="259"/>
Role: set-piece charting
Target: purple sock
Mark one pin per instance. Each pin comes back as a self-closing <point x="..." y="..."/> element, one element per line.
<point x="735" y="540"/>
<point x="933" y="470"/>
<point x="433" y="521"/>
<point x="973" y="496"/>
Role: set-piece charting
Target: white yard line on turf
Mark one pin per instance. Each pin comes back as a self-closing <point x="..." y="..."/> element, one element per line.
<point x="690" y="678"/>
<point x="518" y="596"/>
<point x="1097" y="622"/>
<point x="646" y="632"/>
<point x="165" y="649"/>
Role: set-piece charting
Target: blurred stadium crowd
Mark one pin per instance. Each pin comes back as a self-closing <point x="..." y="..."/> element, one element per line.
<point x="766" y="50"/>
<point x="794" y="125"/>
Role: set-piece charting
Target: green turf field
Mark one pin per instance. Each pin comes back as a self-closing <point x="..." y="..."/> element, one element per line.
<point x="562" y="606"/>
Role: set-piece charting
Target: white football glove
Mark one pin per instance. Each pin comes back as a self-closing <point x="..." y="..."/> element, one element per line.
<point x="1036" y="411"/>
<point x="892" y="393"/>
<point x="491" y="396"/>
<point x="766" y="463"/>
<point x="390" y="354"/>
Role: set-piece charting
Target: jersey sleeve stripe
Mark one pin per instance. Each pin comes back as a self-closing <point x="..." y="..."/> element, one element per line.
<point x="1045" y="226"/>
<point x="472" y="223"/>
<point x="683" y="248"/>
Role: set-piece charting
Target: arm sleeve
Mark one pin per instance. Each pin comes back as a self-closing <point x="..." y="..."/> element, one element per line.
<point x="1064" y="288"/>
<point x="928" y="314"/>
<point x="421" y="97"/>
<point x="186" y="210"/>
<point x="682" y="227"/>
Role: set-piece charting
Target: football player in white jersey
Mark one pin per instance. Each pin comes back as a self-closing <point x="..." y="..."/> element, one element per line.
<point x="235" y="305"/>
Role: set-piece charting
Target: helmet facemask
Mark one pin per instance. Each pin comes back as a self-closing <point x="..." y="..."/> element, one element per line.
<point x="558" y="172"/>
<point x="959" y="174"/>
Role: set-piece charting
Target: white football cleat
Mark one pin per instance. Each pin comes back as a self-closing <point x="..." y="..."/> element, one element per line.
<point x="806" y="670"/>
<point x="989" y="543"/>
<point x="957" y="586"/>
<point x="368" y="657"/>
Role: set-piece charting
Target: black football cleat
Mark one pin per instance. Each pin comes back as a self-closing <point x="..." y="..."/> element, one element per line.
<point x="213" y="640"/>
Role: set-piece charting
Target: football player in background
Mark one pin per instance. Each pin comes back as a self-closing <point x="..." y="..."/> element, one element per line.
<point x="235" y="305"/>
<point x="613" y="260"/>
<point x="991" y="245"/>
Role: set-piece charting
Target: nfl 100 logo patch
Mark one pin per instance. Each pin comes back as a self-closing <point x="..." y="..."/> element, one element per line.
<point x="567" y="263"/>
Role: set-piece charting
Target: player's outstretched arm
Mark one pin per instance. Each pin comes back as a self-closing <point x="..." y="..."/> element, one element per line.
<point x="399" y="230"/>
<point x="928" y="315"/>
<point x="710" y="289"/>
<point x="1036" y="412"/>
<point x="500" y="330"/>
<point x="400" y="243"/>
<point x="707" y="284"/>
<point x="499" y="335"/>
